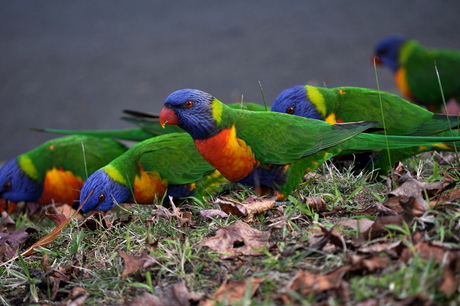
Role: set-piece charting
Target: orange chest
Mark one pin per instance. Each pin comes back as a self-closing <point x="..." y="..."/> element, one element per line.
<point x="401" y="83"/>
<point x="148" y="186"/>
<point x="60" y="186"/>
<point x="230" y="155"/>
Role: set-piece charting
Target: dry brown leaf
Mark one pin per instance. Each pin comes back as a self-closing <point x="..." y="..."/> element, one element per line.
<point x="175" y="295"/>
<point x="415" y="206"/>
<point x="248" y="208"/>
<point x="317" y="204"/>
<point x="238" y="239"/>
<point x="145" y="299"/>
<point x="233" y="291"/>
<point x="133" y="263"/>
<point x="210" y="213"/>
<point x="330" y="235"/>
<point x="7" y="224"/>
<point x="184" y="218"/>
<point x="449" y="197"/>
<point x="379" y="228"/>
<point x="451" y="277"/>
<point x="392" y="248"/>
<point x="362" y="224"/>
<point x="306" y="283"/>
<point x="233" y="208"/>
<point x="77" y="296"/>
<point x="162" y="212"/>
<point x="368" y="263"/>
<point x="430" y="250"/>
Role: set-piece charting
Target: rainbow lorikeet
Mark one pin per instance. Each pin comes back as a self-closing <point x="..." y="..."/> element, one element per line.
<point x="148" y="124"/>
<point x="164" y="165"/>
<point x="54" y="172"/>
<point x="350" y="104"/>
<point x="414" y="69"/>
<point x="269" y="149"/>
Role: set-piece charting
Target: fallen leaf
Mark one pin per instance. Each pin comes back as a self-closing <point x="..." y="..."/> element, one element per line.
<point x="209" y="213"/>
<point x="135" y="263"/>
<point x="368" y="263"/>
<point x="146" y="299"/>
<point x="450" y="277"/>
<point x="10" y="242"/>
<point x="248" y="208"/>
<point x="234" y="291"/>
<point x="361" y="224"/>
<point x="175" y="295"/>
<point x="415" y="205"/>
<point x="330" y="235"/>
<point x="317" y="204"/>
<point x="77" y="296"/>
<point x="7" y="224"/>
<point x="306" y="283"/>
<point x="232" y="208"/>
<point x="449" y="197"/>
<point x="57" y="218"/>
<point x="238" y="239"/>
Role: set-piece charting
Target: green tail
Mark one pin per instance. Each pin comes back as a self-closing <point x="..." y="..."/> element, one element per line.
<point x="125" y="134"/>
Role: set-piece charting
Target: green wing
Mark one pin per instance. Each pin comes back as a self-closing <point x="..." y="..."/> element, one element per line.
<point x="357" y="104"/>
<point x="281" y="138"/>
<point x="174" y="156"/>
<point x="82" y="155"/>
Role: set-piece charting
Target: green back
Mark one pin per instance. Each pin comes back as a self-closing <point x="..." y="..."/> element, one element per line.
<point x="173" y="156"/>
<point x="67" y="153"/>
<point x="281" y="138"/>
<point x="400" y="116"/>
<point x="422" y="79"/>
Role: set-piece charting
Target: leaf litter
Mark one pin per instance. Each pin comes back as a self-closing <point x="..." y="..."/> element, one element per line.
<point x="365" y="241"/>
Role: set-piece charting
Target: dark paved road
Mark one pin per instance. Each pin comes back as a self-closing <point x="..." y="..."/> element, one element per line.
<point x="78" y="64"/>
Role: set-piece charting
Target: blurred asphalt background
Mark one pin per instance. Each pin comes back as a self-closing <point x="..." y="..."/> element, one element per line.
<point x="78" y="64"/>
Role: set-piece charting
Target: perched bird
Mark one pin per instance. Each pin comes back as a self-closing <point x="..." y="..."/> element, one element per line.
<point x="167" y="165"/>
<point x="269" y="149"/>
<point x="414" y="69"/>
<point x="351" y="104"/>
<point x="148" y="123"/>
<point x="54" y="172"/>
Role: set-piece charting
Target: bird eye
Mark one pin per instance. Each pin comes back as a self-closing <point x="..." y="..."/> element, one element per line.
<point x="188" y="103"/>
<point x="290" y="110"/>
<point x="7" y="186"/>
<point x="101" y="197"/>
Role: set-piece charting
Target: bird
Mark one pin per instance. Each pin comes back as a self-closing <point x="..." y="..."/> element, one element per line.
<point x="349" y="104"/>
<point x="269" y="149"/>
<point x="54" y="172"/>
<point x="167" y="165"/>
<point x="416" y="70"/>
<point x="148" y="125"/>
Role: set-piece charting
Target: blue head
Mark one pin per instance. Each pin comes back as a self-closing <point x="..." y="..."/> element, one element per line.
<point x="16" y="185"/>
<point x="387" y="51"/>
<point x="106" y="192"/>
<point x="294" y="101"/>
<point x="192" y="110"/>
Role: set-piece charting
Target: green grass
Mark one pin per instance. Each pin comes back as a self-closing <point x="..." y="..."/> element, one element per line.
<point x="181" y="256"/>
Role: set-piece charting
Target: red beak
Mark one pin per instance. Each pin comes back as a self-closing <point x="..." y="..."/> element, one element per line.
<point x="376" y="60"/>
<point x="168" y="116"/>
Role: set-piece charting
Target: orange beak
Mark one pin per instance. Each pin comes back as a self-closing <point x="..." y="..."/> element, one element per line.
<point x="168" y="116"/>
